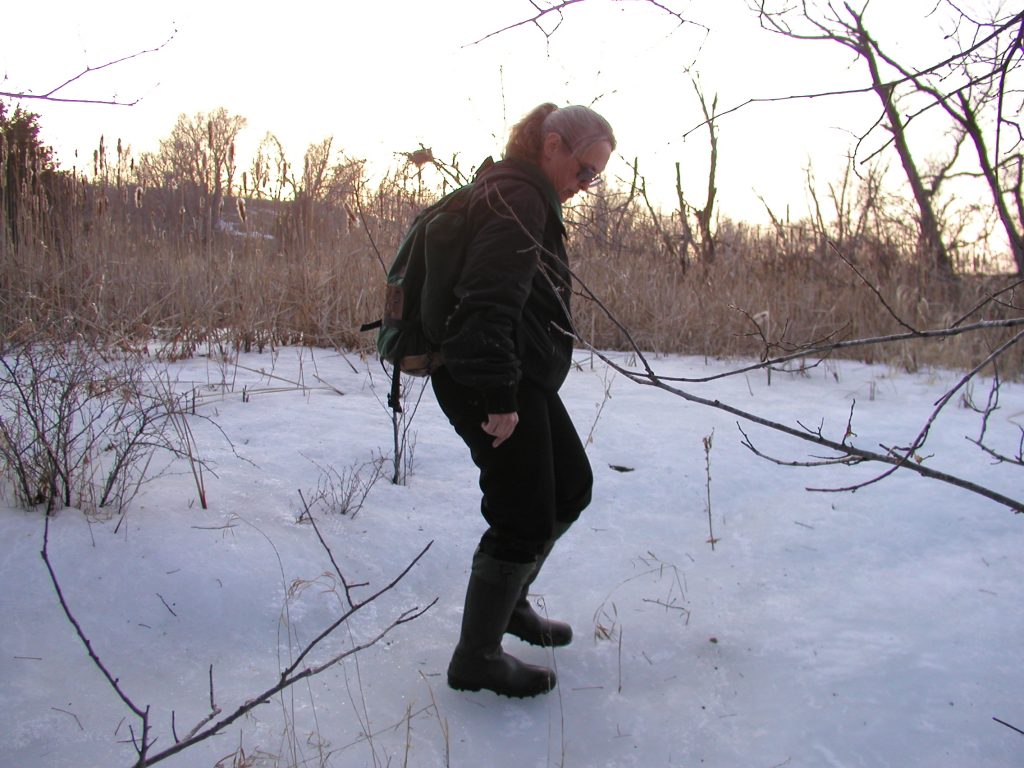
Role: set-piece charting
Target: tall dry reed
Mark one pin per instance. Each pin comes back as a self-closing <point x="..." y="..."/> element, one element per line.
<point x="775" y="289"/>
<point x="109" y="258"/>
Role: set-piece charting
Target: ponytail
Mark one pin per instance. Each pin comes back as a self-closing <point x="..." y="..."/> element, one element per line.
<point x="527" y="136"/>
<point x="579" y="127"/>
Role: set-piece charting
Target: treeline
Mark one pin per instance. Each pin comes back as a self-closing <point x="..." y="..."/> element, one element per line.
<point x="184" y="248"/>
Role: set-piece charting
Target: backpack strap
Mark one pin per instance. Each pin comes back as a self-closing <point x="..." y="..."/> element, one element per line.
<point x="395" y="395"/>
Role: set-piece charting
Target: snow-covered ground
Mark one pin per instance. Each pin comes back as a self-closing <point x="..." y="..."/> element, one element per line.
<point x="880" y="628"/>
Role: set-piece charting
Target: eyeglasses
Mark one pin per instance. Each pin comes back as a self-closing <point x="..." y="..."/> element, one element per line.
<point x="588" y="176"/>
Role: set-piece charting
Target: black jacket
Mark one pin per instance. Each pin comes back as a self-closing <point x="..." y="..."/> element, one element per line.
<point x="514" y="289"/>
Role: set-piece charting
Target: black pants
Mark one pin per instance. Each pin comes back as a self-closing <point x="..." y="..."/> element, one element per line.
<point x="539" y="476"/>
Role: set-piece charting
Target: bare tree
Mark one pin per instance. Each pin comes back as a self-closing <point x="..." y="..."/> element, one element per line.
<point x="316" y="167"/>
<point x="978" y="90"/>
<point x="704" y="215"/>
<point x="846" y="27"/>
<point x="200" y="152"/>
<point x="976" y="85"/>
<point x="325" y="186"/>
<point x="701" y="242"/>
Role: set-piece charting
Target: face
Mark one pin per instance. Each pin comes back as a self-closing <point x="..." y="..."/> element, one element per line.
<point x="573" y="173"/>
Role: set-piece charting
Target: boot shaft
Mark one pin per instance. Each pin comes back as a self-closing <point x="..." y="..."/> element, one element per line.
<point x="479" y="660"/>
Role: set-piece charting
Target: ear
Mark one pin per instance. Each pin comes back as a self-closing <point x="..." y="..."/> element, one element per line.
<point x="552" y="143"/>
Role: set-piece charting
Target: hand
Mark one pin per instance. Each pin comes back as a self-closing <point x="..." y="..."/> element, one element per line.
<point x="500" y="426"/>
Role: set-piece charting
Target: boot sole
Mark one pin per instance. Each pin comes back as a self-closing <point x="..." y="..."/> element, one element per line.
<point x="459" y="685"/>
<point x="540" y="642"/>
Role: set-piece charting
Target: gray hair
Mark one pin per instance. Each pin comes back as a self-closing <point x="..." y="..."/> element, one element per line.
<point x="579" y="126"/>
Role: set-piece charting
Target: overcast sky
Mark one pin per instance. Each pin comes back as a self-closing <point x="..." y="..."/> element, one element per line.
<point x="384" y="76"/>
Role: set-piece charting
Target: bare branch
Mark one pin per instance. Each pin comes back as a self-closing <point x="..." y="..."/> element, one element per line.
<point x="846" y="451"/>
<point x="534" y="20"/>
<point x="1016" y="20"/>
<point x="558" y="8"/>
<point x="991" y="406"/>
<point x="910" y="453"/>
<point x="1011" y="727"/>
<point x="291" y="675"/>
<point x="993" y="298"/>
<point x="831" y="346"/>
<point x="291" y="669"/>
<point x="51" y="95"/>
<point x="113" y="681"/>
<point x="873" y="289"/>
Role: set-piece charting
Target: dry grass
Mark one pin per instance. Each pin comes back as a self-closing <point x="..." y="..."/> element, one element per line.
<point x="111" y="260"/>
<point x="781" y="288"/>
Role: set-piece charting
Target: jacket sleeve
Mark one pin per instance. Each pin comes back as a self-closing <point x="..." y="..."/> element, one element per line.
<point x="506" y="220"/>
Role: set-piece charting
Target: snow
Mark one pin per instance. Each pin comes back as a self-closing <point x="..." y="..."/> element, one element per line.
<point x="876" y="628"/>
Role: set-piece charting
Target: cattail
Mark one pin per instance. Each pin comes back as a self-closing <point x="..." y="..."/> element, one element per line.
<point x="138" y="197"/>
<point x="240" y="204"/>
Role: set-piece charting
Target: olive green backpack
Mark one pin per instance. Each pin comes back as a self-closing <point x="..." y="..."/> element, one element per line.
<point x="420" y="291"/>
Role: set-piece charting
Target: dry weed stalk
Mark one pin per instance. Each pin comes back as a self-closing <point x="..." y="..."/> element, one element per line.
<point x="342" y="492"/>
<point x="606" y="383"/>
<point x="708" y="441"/>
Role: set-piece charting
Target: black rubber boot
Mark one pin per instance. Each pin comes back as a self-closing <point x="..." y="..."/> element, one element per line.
<point x="528" y="625"/>
<point x="479" y="661"/>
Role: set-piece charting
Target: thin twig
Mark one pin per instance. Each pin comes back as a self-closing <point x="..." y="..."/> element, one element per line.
<point x="892" y="84"/>
<point x="291" y="675"/>
<point x="114" y="682"/>
<point x="330" y="554"/>
<point x="50" y="95"/>
<point x="871" y="286"/>
<point x="72" y="714"/>
<point x="1011" y="727"/>
<point x="166" y="605"/>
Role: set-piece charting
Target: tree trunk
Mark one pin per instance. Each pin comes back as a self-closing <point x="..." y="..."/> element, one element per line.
<point x="1013" y="232"/>
<point x="930" y="239"/>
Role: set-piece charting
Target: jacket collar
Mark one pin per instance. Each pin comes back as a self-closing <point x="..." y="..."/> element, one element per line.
<point x="536" y="176"/>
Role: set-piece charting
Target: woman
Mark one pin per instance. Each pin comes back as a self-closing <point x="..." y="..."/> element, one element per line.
<point x="505" y="355"/>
